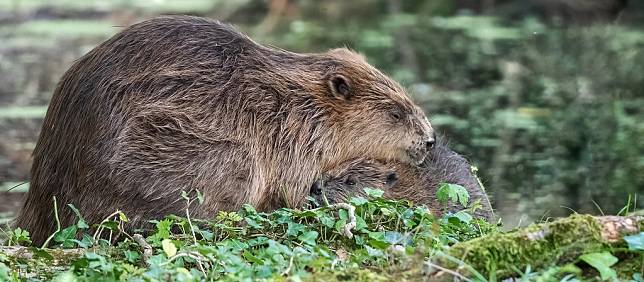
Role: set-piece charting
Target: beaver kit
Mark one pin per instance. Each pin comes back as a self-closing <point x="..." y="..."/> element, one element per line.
<point x="183" y="103"/>
<point x="402" y="181"/>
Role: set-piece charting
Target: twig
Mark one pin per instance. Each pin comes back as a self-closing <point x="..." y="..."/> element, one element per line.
<point x="598" y="207"/>
<point x="193" y="255"/>
<point x="44" y="245"/>
<point x="147" y="249"/>
<point x="351" y="210"/>
<point x="100" y="228"/>
<point x="430" y="265"/>
<point x="290" y="265"/>
<point x="192" y="228"/>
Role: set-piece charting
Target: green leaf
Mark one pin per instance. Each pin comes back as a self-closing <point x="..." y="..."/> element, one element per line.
<point x="377" y="235"/>
<point x="393" y="237"/>
<point x="131" y="256"/>
<point x="463" y="216"/>
<point x="168" y="247"/>
<point x="359" y="240"/>
<point x="374" y="252"/>
<point x="343" y="214"/>
<point x="110" y="225"/>
<point x="308" y="237"/>
<point x="358" y="201"/>
<point x="122" y="217"/>
<point x="294" y="228"/>
<point x="5" y="272"/>
<point x="308" y="213"/>
<point x="248" y="255"/>
<point x="326" y="220"/>
<point x="339" y="225"/>
<point x="635" y="242"/>
<point x="637" y="277"/>
<point x="200" y="197"/>
<point x="66" y="234"/>
<point x="386" y="211"/>
<point x="67" y="276"/>
<point x="19" y="236"/>
<point x="361" y="224"/>
<point x="253" y="223"/>
<point x="602" y="262"/>
<point x="453" y="192"/>
<point x="163" y="230"/>
<point x="81" y="224"/>
<point x="374" y="193"/>
<point x="377" y="240"/>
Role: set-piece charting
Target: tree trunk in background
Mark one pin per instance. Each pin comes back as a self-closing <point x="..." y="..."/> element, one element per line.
<point x="275" y="11"/>
<point x="404" y="48"/>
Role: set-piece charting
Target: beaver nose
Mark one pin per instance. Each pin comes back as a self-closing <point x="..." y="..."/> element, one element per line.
<point x="429" y="143"/>
<point x="316" y="188"/>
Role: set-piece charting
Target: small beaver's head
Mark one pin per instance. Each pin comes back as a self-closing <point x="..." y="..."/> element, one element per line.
<point x="402" y="181"/>
<point x="371" y="114"/>
<point x="350" y="179"/>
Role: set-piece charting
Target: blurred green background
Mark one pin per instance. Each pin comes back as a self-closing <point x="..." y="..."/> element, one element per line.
<point x="546" y="97"/>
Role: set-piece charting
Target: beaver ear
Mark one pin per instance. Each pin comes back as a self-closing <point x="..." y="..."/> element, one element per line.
<point x="340" y="86"/>
<point x="392" y="179"/>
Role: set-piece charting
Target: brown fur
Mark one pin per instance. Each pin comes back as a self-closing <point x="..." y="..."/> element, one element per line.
<point x="185" y="103"/>
<point x="402" y="181"/>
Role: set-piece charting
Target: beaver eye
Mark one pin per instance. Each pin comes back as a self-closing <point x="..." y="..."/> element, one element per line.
<point x="392" y="179"/>
<point x="350" y="181"/>
<point x="340" y="87"/>
<point x="396" y="116"/>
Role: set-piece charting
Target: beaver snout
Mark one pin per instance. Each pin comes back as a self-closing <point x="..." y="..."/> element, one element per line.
<point x="419" y="149"/>
<point x="429" y="143"/>
<point x="316" y="188"/>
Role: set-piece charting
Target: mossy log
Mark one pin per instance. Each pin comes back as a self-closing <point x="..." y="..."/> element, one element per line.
<point x="31" y="262"/>
<point x="538" y="246"/>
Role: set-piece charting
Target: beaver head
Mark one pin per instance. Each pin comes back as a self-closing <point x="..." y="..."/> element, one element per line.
<point x="401" y="181"/>
<point x="371" y="112"/>
<point x="350" y="179"/>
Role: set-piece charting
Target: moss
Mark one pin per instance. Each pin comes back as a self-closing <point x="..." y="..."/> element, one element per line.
<point x="537" y="246"/>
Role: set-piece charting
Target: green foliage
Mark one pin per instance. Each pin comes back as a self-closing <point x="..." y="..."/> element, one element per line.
<point x="635" y="242"/>
<point x="454" y="192"/>
<point x="252" y="245"/>
<point x="5" y="273"/>
<point x="392" y="240"/>
<point x="18" y="237"/>
<point x="602" y="262"/>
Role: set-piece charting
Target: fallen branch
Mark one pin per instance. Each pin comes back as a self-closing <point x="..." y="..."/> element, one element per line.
<point x="351" y="211"/>
<point x="21" y="252"/>
<point x="147" y="249"/>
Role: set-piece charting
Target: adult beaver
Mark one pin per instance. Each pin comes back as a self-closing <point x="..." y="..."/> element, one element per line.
<point x="402" y="181"/>
<point x="186" y="103"/>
